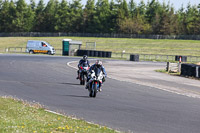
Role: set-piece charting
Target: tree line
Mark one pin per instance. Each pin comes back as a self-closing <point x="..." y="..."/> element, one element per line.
<point x="102" y="16"/>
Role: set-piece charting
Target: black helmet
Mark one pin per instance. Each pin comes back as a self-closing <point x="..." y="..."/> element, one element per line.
<point x="85" y="57"/>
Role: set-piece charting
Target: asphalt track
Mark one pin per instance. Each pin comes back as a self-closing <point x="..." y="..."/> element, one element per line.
<point x="122" y="105"/>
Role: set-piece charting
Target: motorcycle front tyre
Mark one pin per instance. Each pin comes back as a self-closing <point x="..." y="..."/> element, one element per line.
<point x="93" y="90"/>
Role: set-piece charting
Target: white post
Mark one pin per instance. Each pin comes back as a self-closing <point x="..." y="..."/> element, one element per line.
<point x="197" y="71"/>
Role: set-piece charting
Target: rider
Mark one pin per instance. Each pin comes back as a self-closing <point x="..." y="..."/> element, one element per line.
<point x="83" y="62"/>
<point x="98" y="64"/>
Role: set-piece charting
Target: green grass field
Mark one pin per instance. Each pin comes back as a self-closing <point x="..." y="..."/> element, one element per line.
<point x="136" y="46"/>
<point x="17" y="116"/>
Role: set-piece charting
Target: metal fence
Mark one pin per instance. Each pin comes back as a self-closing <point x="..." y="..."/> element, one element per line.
<point x="23" y="50"/>
<point x="125" y="56"/>
<point x="111" y="35"/>
<point x="154" y="57"/>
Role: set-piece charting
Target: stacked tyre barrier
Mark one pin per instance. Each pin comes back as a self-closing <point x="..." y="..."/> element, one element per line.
<point x="94" y="53"/>
<point x="190" y="70"/>
<point x="183" y="58"/>
<point x="134" y="57"/>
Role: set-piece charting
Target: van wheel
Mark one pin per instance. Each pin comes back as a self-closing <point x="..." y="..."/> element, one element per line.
<point x="31" y="52"/>
<point x="49" y="52"/>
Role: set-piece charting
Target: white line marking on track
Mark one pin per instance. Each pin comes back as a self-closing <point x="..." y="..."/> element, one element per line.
<point x="160" y="87"/>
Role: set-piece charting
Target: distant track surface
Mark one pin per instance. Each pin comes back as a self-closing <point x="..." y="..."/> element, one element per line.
<point x="121" y="105"/>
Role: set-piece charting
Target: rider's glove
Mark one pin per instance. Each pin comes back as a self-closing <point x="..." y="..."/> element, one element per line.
<point x="104" y="79"/>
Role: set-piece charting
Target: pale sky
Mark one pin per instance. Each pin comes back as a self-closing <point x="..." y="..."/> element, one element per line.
<point x="176" y="3"/>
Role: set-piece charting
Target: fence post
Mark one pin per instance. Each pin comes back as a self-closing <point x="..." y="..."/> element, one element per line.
<point x="167" y="69"/>
<point x="179" y="67"/>
<point x="197" y="71"/>
<point x="6" y="49"/>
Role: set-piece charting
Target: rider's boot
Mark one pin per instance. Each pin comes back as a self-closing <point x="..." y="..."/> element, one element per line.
<point x="87" y="86"/>
<point x="78" y="77"/>
<point x="100" y="87"/>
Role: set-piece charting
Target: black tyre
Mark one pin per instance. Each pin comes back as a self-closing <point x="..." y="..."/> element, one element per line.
<point x="94" y="91"/>
<point x="90" y="93"/>
<point x="83" y="80"/>
<point x="31" y="52"/>
<point x="49" y="52"/>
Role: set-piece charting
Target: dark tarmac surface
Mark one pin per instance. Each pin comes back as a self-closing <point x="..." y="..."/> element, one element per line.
<point x="125" y="106"/>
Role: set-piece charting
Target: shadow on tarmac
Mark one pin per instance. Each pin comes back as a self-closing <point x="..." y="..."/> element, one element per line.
<point x="70" y="83"/>
<point x="77" y="96"/>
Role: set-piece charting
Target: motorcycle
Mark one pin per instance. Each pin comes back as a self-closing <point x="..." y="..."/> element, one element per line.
<point x="83" y="74"/>
<point x="95" y="82"/>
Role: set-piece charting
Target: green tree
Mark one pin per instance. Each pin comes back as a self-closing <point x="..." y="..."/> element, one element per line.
<point x="24" y="17"/>
<point x="76" y="16"/>
<point x="29" y="19"/>
<point x="39" y="17"/>
<point x="12" y="15"/>
<point x="89" y="13"/>
<point x="181" y="21"/>
<point x="123" y="12"/>
<point x="1" y="3"/>
<point x="112" y="18"/>
<point x="132" y="8"/>
<point x="141" y="8"/>
<point x="168" y="22"/>
<point x="154" y="15"/>
<point x="50" y="12"/>
<point x="33" y="5"/>
<point x="152" y="10"/>
<point x="63" y="17"/>
<point x="192" y="20"/>
<point x="20" y="11"/>
<point x="136" y="25"/>
<point x="4" y="20"/>
<point x="102" y="16"/>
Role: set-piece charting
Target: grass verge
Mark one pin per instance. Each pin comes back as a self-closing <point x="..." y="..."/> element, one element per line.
<point x="171" y="73"/>
<point x="19" y="116"/>
<point x="130" y="45"/>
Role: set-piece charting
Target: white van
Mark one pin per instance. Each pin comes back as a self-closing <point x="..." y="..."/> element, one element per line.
<point x="35" y="46"/>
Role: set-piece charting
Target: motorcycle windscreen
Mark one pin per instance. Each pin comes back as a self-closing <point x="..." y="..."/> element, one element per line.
<point x="84" y="64"/>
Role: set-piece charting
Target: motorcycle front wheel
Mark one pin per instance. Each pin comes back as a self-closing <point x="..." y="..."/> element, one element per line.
<point x="82" y="79"/>
<point x="93" y="90"/>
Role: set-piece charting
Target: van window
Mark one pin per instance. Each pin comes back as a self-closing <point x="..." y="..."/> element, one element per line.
<point x="48" y="44"/>
<point x="43" y="44"/>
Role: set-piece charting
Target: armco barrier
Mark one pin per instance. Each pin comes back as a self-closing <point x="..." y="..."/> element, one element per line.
<point x="94" y="53"/>
<point x="103" y="54"/>
<point x="199" y="71"/>
<point x="100" y="54"/>
<point x="183" y="58"/>
<point x="134" y="57"/>
<point x="91" y="53"/>
<point x="191" y="70"/>
<point x="108" y="54"/>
